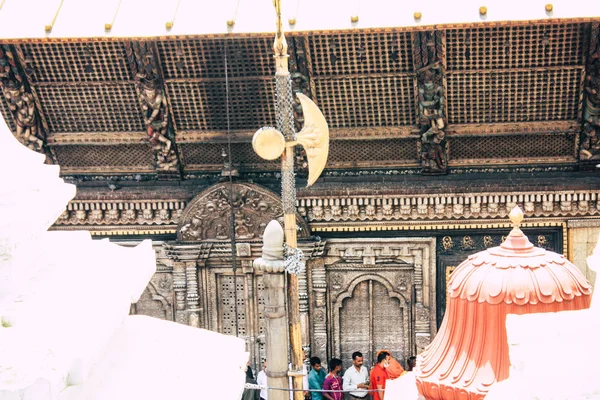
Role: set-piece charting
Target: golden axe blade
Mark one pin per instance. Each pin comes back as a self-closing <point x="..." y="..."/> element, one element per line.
<point x="269" y="143"/>
<point x="314" y="137"/>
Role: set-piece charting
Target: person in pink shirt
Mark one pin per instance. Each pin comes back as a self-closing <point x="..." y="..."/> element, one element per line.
<point x="333" y="381"/>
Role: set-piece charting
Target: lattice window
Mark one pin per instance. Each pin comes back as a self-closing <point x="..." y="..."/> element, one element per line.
<point x="507" y="147"/>
<point x="368" y="101"/>
<point x="201" y="105"/>
<point x="354" y="53"/>
<point x="514" y="47"/>
<point x="227" y="305"/>
<point x="93" y="108"/>
<point x="387" y="151"/>
<point x="77" y="62"/>
<point x="8" y="117"/>
<point x="127" y="155"/>
<point x="205" y="58"/>
<point x="211" y="154"/>
<point x="512" y="96"/>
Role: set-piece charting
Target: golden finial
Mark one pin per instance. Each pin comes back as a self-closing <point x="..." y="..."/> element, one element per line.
<point x="169" y="24"/>
<point x="549" y="7"/>
<point x="292" y="21"/>
<point x="417" y="16"/>
<point x="482" y="10"/>
<point x="280" y="46"/>
<point x="230" y="23"/>
<point x="516" y="216"/>
<point x="354" y="19"/>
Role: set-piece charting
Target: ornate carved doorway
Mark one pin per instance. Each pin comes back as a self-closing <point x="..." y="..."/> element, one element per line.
<point x="379" y="294"/>
<point x="372" y="319"/>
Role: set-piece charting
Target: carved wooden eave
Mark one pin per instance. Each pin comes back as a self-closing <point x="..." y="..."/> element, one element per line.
<point x="367" y="77"/>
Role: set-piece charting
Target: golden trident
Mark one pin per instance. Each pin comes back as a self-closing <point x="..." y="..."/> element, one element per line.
<point x="270" y="143"/>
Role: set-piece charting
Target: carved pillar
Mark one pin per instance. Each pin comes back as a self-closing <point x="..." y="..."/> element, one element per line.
<point x="193" y="308"/>
<point x="319" y="310"/>
<point x="272" y="266"/>
<point x="422" y="314"/>
<point x="179" y="287"/>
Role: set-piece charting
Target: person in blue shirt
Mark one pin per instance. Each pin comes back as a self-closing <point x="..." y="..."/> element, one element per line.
<point x="316" y="377"/>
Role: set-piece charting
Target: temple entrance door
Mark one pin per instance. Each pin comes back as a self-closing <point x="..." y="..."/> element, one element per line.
<point x="370" y="320"/>
<point x="250" y="312"/>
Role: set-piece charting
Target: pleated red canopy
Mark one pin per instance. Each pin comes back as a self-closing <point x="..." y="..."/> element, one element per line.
<point x="470" y="352"/>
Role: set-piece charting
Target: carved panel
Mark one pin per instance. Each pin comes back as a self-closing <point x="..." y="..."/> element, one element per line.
<point x="208" y="216"/>
<point x="355" y="324"/>
<point x="157" y="299"/>
<point x="371" y="320"/>
<point x="390" y="317"/>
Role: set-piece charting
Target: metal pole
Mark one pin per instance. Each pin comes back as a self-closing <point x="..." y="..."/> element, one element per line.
<point x="285" y="123"/>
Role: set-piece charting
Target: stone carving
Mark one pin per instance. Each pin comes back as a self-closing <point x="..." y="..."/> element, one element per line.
<point x="590" y="136"/>
<point x="20" y="101"/>
<point x="208" y="216"/>
<point x="153" y="103"/>
<point x="427" y="55"/>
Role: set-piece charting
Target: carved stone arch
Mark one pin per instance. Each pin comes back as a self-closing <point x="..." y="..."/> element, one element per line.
<point x="149" y="296"/>
<point x="404" y="304"/>
<point x="208" y="215"/>
<point x="364" y="277"/>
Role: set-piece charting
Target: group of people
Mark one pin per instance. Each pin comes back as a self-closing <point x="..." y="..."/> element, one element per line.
<point x="357" y="382"/>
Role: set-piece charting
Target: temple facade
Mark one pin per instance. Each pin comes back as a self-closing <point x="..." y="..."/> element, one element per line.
<point x="437" y="132"/>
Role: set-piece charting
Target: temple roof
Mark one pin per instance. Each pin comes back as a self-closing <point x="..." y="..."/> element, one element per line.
<point x="510" y="83"/>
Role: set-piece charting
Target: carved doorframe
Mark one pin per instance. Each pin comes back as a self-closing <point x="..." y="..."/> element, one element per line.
<point x="405" y="304"/>
<point x="406" y="265"/>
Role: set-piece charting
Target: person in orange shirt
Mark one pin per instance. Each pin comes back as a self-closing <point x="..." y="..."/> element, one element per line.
<point x="394" y="369"/>
<point x="379" y="376"/>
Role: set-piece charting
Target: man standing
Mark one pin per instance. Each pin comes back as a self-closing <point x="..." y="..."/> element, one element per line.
<point x="316" y="378"/>
<point x="393" y="369"/>
<point x="333" y="382"/>
<point x="379" y="376"/>
<point x="356" y="378"/>
<point x="261" y="379"/>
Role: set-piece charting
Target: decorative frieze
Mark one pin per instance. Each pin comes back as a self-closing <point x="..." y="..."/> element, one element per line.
<point x="94" y="213"/>
<point x="447" y="206"/>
